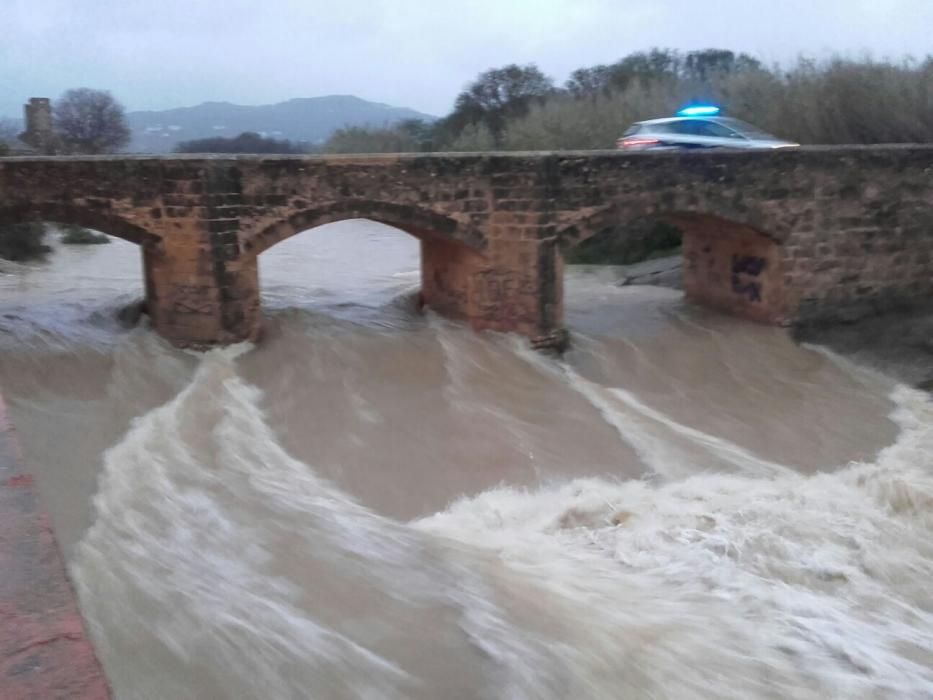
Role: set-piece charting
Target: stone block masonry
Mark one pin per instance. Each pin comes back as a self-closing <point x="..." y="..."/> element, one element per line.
<point x="789" y="237"/>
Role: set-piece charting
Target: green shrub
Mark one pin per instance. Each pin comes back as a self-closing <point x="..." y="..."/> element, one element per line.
<point x="22" y="242"/>
<point x="838" y="101"/>
<point x="835" y="101"/>
<point x="641" y="241"/>
<point x="247" y="142"/>
<point x="77" y="235"/>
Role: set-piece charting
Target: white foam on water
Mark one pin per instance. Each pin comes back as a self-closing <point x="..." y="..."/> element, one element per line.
<point x="235" y="566"/>
<point x="219" y="566"/>
<point x="669" y="448"/>
<point x="170" y="562"/>
<point x="788" y="586"/>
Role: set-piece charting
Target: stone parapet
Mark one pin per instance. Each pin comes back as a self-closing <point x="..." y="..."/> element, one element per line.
<point x="793" y="236"/>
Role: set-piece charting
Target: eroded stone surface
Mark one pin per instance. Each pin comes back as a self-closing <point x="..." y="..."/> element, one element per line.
<point x="796" y="236"/>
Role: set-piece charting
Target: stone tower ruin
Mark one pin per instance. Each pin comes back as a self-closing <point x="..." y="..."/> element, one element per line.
<point x="39" y="133"/>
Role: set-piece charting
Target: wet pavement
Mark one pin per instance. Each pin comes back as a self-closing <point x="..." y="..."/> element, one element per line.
<point x="45" y="653"/>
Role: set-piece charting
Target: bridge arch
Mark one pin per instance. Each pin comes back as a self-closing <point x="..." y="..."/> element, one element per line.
<point x="105" y="221"/>
<point x="92" y="218"/>
<point x="420" y="222"/>
<point x="729" y="263"/>
<point x="452" y="253"/>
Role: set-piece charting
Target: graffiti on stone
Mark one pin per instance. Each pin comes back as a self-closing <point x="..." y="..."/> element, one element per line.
<point x="193" y="299"/>
<point x="496" y="286"/>
<point x="500" y="294"/>
<point x="746" y="269"/>
<point x="752" y="265"/>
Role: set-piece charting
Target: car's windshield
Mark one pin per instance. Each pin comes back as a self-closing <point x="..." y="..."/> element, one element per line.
<point x="746" y="129"/>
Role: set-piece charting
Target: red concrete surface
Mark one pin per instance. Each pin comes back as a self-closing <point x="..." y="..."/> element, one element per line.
<point x="45" y="653"/>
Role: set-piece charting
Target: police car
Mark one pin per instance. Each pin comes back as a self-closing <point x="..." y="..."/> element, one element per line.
<point x="697" y="127"/>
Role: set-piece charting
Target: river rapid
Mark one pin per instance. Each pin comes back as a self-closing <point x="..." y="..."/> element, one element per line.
<point x="374" y="503"/>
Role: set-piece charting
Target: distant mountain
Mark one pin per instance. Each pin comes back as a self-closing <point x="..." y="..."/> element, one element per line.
<point x="307" y="119"/>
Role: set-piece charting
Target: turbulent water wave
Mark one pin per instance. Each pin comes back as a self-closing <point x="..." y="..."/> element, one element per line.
<point x="669" y="448"/>
<point x="793" y="585"/>
<point x="372" y="504"/>
<point x="237" y="566"/>
<point x="224" y="557"/>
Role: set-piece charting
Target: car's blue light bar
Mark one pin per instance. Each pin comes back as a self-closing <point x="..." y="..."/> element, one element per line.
<point x="699" y="111"/>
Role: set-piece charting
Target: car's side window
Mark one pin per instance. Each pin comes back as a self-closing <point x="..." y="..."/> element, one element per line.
<point x="698" y="127"/>
<point x="686" y="127"/>
<point x="717" y="131"/>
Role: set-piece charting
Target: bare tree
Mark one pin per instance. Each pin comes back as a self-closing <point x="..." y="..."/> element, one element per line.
<point x="90" y="121"/>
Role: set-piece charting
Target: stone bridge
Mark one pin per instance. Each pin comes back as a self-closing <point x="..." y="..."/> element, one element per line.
<point x="790" y="236"/>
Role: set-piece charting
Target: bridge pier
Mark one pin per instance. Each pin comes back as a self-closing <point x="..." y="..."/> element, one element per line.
<point x="196" y="299"/>
<point x="202" y="293"/>
<point x="733" y="268"/>
<point x="447" y="271"/>
<point x="514" y="287"/>
<point x="798" y="236"/>
<point x="521" y="291"/>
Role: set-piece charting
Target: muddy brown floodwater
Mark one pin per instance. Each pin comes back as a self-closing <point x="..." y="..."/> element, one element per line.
<point x="373" y="503"/>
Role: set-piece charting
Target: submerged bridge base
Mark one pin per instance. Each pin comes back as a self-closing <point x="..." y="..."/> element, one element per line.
<point x="787" y="237"/>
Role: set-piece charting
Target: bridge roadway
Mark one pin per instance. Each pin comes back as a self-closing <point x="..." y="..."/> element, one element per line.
<point x="788" y="237"/>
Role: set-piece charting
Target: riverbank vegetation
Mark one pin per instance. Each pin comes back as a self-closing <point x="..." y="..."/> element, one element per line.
<point x="832" y="101"/>
<point x="247" y="142"/>
<point x="23" y="242"/>
<point x="26" y="241"/>
<point x="72" y="234"/>
<point x="518" y="108"/>
<point x="644" y="240"/>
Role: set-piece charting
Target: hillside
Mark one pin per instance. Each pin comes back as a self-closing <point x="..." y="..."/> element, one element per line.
<point x="306" y="119"/>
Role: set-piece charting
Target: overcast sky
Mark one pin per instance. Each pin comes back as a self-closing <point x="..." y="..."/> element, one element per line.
<point x="155" y="54"/>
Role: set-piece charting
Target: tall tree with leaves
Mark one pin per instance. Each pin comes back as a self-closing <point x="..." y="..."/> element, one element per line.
<point x="709" y="63"/>
<point x="90" y="121"/>
<point x="496" y="96"/>
<point x="247" y="142"/>
<point x="645" y="67"/>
